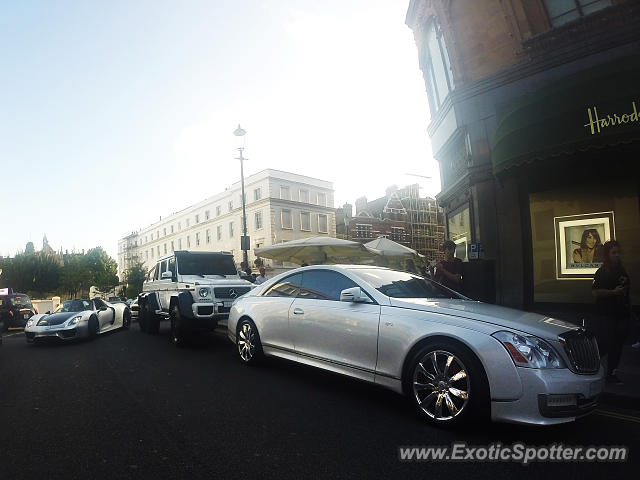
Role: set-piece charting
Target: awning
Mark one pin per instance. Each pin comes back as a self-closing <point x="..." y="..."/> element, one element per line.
<point x="592" y="109"/>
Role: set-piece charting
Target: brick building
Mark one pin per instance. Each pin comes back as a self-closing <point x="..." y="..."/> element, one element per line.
<point x="534" y="122"/>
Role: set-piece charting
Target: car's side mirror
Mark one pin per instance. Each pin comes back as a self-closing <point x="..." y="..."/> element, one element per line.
<point x="353" y="294"/>
<point x="166" y="276"/>
<point x="48" y="312"/>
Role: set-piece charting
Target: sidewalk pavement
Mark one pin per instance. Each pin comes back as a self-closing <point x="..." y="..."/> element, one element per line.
<point x="626" y="395"/>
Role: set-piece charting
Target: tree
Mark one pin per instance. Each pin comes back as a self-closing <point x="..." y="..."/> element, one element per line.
<point x="75" y="276"/>
<point x="29" y="249"/>
<point x="134" y="277"/>
<point x="103" y="269"/>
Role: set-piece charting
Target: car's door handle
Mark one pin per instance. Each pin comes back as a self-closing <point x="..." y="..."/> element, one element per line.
<point x="298" y="311"/>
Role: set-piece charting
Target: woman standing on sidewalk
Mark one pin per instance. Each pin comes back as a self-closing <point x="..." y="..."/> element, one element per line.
<point x="611" y="291"/>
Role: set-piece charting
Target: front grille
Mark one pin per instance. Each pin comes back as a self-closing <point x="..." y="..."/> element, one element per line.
<point x="228" y="292"/>
<point x="206" y="310"/>
<point x="582" y="350"/>
<point x="224" y="309"/>
<point x="68" y="333"/>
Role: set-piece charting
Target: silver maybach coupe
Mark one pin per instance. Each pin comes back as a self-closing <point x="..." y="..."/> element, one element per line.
<point x="79" y="318"/>
<point x="457" y="359"/>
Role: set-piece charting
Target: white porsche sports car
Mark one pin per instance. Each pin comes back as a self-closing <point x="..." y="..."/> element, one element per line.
<point x="455" y="358"/>
<point x="79" y="318"/>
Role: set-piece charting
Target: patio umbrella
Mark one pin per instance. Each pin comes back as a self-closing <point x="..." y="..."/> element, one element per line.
<point x="315" y="250"/>
<point x="389" y="248"/>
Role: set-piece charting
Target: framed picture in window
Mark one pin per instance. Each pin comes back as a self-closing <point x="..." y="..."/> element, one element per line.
<point x="579" y="240"/>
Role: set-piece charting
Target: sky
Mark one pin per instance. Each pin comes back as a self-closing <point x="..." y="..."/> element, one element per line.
<point x="114" y="113"/>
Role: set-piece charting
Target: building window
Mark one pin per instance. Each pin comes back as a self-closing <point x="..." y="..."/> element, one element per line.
<point x="321" y="199"/>
<point x="197" y="218"/>
<point x="305" y="221"/>
<point x="180" y="244"/>
<point x="219" y="232"/>
<point x="436" y="67"/>
<point x="164" y="232"/>
<point x="172" y="247"/>
<point x="230" y="205"/>
<point x="218" y="211"/>
<point x="158" y="248"/>
<point x="171" y="228"/>
<point x="146" y="254"/>
<point x="152" y="237"/>
<point x="258" y="218"/>
<point x="563" y="11"/>
<point x="208" y="236"/>
<point x="179" y="226"/>
<point x="188" y="241"/>
<point x="198" y="239"/>
<point x="322" y="223"/>
<point x="397" y="234"/>
<point x="284" y="193"/>
<point x="304" y="196"/>
<point x="152" y="253"/>
<point x="363" y="230"/>
<point x="165" y="248"/>
<point x="230" y="229"/>
<point x="187" y="222"/>
<point x="257" y="194"/>
<point x="145" y="239"/>
<point x="158" y="234"/>
<point x="286" y="219"/>
<point x="206" y="215"/>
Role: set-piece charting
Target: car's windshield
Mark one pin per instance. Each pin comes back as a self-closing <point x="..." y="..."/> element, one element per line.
<point x="74" y="306"/>
<point x="205" y="264"/>
<point x="404" y="285"/>
<point x="20" y="301"/>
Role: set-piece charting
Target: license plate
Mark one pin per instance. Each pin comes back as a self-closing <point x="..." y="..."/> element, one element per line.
<point x="227" y="304"/>
<point x="26" y="315"/>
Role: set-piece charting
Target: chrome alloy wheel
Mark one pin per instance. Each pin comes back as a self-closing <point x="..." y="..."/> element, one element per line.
<point x="246" y="342"/>
<point x="441" y="385"/>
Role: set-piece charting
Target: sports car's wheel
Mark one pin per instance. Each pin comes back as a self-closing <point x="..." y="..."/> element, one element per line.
<point x="93" y="327"/>
<point x="447" y="384"/>
<point x="248" y="342"/>
<point x="126" y="319"/>
<point x="142" y="318"/>
<point x="179" y="336"/>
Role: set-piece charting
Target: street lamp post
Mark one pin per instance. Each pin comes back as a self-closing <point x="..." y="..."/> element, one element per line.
<point x="244" y="241"/>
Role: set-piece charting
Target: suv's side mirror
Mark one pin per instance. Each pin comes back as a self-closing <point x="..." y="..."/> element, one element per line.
<point x="353" y="294"/>
<point x="166" y="276"/>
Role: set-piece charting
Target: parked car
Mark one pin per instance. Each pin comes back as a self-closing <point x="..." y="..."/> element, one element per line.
<point x="78" y="318"/>
<point x="455" y="358"/>
<point x="15" y="310"/>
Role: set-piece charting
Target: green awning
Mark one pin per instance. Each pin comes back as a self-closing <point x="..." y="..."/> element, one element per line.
<point x="556" y="120"/>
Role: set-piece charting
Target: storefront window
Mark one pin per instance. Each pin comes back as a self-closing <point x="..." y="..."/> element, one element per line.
<point x="568" y="227"/>
<point x="460" y="231"/>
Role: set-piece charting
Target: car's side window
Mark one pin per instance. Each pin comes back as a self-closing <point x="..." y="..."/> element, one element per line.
<point x="157" y="271"/>
<point x="287" y="287"/>
<point x="171" y="266"/>
<point x="324" y="285"/>
<point x="163" y="268"/>
<point x="152" y="274"/>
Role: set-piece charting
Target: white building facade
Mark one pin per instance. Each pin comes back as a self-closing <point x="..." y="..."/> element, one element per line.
<point x="280" y="206"/>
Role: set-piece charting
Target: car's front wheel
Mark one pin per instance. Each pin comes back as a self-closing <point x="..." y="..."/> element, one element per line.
<point x="179" y="335"/>
<point x="447" y="384"/>
<point x="126" y="319"/>
<point x="248" y="342"/>
<point x="94" y="327"/>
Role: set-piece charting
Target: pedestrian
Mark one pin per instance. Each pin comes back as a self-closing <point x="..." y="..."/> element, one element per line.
<point x="262" y="277"/>
<point x="611" y="291"/>
<point x="448" y="271"/>
<point x="249" y="275"/>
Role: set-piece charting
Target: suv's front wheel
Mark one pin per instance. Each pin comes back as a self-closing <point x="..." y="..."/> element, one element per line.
<point x="178" y="336"/>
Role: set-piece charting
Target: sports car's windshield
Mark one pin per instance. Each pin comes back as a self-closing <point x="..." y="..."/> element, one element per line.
<point x="74" y="306"/>
<point x="205" y="264"/>
<point x="404" y="285"/>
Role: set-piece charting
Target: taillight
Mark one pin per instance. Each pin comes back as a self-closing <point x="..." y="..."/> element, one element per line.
<point x="11" y="312"/>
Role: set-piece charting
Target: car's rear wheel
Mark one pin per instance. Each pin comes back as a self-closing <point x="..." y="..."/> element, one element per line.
<point x="248" y="342"/>
<point x="447" y="384"/>
<point x="153" y="323"/>
<point x="126" y="319"/>
<point x="179" y="336"/>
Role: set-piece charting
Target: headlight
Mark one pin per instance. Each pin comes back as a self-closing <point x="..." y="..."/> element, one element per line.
<point x="74" y="320"/>
<point x="203" y="292"/>
<point x="30" y="323"/>
<point x="529" y="351"/>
